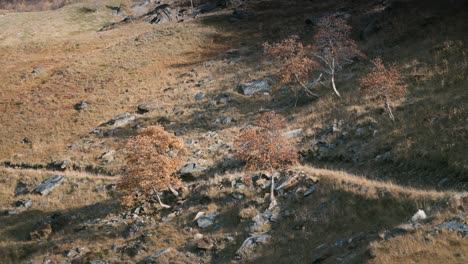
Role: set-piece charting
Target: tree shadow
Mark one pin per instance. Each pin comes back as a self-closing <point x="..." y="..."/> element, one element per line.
<point x="61" y="226"/>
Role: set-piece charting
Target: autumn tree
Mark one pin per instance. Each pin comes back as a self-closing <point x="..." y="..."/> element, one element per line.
<point x="153" y="157"/>
<point x="265" y="148"/>
<point x="294" y="62"/>
<point x="334" y="47"/>
<point x="385" y="83"/>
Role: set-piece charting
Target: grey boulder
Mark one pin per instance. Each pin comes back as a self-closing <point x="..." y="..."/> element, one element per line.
<point x="48" y="185"/>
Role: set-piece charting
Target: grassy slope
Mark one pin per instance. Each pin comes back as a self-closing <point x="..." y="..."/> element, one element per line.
<point x="118" y="69"/>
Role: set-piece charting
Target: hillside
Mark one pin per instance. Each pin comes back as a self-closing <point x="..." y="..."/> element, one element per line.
<point x="78" y="81"/>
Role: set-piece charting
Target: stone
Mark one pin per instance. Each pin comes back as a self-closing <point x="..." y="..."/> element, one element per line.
<point x="192" y="169"/>
<point x="207" y="220"/>
<point x="419" y="215"/>
<point x="26" y="140"/>
<point x="294" y="133"/>
<point x="162" y="14"/>
<point x="23" y="203"/>
<point x="23" y="188"/>
<point x="132" y="229"/>
<point x="77" y="252"/>
<point x="198" y="215"/>
<point x="250" y="242"/>
<point x="198" y="236"/>
<point x="48" y="185"/>
<point x="38" y="70"/>
<point x="107" y="156"/>
<point x="134" y="249"/>
<point x="456" y="225"/>
<point x="227" y="120"/>
<point x="58" y="165"/>
<point x="309" y="191"/>
<point x="199" y="96"/>
<point x="81" y="105"/>
<point x="255" y="86"/>
<point x="148" y="107"/>
<point x="98" y="262"/>
<point x="155" y="255"/>
<point x="121" y="120"/>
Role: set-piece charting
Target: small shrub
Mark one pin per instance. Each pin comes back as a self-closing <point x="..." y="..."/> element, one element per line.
<point x="265" y="148"/>
<point x="385" y="83"/>
<point x="153" y="157"/>
<point x="293" y="61"/>
<point x="334" y="47"/>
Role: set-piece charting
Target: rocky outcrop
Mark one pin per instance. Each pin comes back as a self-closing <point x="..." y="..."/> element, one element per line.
<point x="48" y="185"/>
<point x="255" y="87"/>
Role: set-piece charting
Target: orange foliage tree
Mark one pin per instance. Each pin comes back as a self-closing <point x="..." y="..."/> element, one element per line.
<point x="153" y="157"/>
<point x="265" y="148"/>
<point x="293" y="60"/>
<point x="334" y="47"/>
<point x="385" y="83"/>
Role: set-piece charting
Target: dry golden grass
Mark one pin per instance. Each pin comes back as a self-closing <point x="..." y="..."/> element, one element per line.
<point x="370" y="188"/>
<point x="446" y="247"/>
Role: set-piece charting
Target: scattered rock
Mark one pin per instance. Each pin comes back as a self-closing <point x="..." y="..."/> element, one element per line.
<point x="222" y="99"/>
<point x="198" y="215"/>
<point x="26" y="140"/>
<point x="38" y="70"/>
<point x="255" y="86"/>
<point x="99" y="262"/>
<point x="192" y="169"/>
<point x="132" y="229"/>
<point x="48" y="185"/>
<point x="249" y="244"/>
<point x="198" y="236"/>
<point x="161" y="14"/>
<point x="81" y="105"/>
<point x="23" y="203"/>
<point x="134" y="249"/>
<point x="148" y="107"/>
<point x="76" y="252"/>
<point x="199" y="96"/>
<point x="121" y="120"/>
<point x="23" y="188"/>
<point x="419" y="215"/>
<point x="457" y="225"/>
<point x="107" y="156"/>
<point x="207" y="220"/>
<point x="294" y="133"/>
<point x="309" y="191"/>
<point x="58" y="165"/>
<point x="227" y="120"/>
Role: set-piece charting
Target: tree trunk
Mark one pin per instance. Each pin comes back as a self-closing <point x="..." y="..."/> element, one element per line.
<point x="160" y="203"/>
<point x="272" y="191"/>
<point x="389" y="110"/>
<point x="334" y="86"/>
